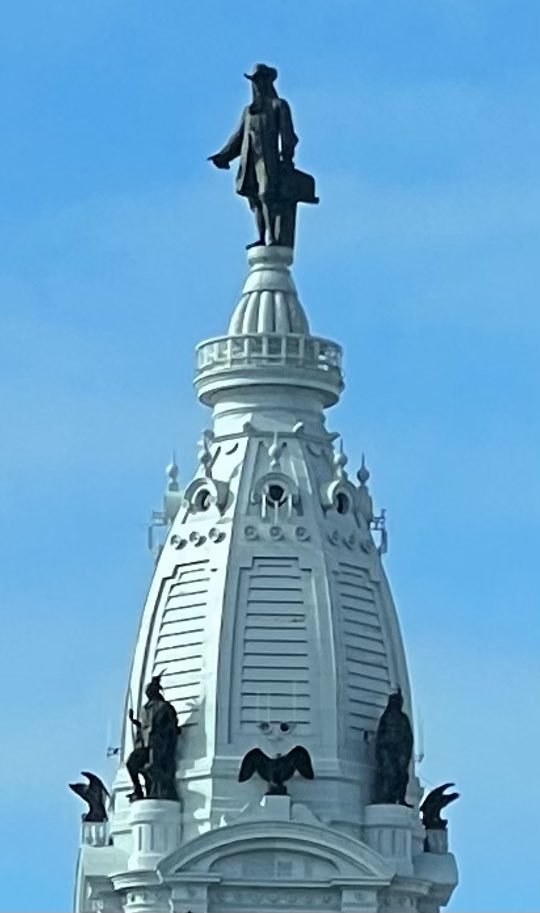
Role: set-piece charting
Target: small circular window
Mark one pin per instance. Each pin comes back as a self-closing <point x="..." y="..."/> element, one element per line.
<point x="275" y="494"/>
<point x="342" y="503"/>
<point x="202" y="500"/>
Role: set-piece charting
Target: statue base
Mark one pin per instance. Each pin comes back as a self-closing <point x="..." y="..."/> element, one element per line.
<point x="95" y="833"/>
<point x="156" y="830"/>
<point x="388" y="829"/>
<point x="436" y="840"/>
<point x="277" y="808"/>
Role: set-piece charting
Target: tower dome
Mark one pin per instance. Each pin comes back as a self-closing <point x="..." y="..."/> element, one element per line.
<point x="269" y="302"/>
<point x="270" y="636"/>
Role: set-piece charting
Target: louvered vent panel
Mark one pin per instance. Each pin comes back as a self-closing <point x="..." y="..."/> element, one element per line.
<point x="180" y="641"/>
<point x="368" y="682"/>
<point x="275" y="663"/>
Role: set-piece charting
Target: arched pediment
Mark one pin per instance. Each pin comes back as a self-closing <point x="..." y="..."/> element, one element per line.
<point x="293" y="851"/>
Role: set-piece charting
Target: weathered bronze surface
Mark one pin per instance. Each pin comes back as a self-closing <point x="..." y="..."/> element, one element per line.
<point x="154" y="754"/>
<point x="95" y="794"/>
<point x="393" y="752"/>
<point x="265" y="143"/>
<point x="433" y="805"/>
<point x="276" y="771"/>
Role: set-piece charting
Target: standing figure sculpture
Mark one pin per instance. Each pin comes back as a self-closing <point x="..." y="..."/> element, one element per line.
<point x="154" y="754"/>
<point x="393" y="752"/>
<point x="265" y="143"/>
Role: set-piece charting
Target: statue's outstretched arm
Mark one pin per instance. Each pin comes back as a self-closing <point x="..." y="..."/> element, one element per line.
<point x="232" y="148"/>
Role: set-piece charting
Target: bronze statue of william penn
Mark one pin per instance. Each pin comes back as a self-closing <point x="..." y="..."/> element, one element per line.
<point x="265" y="143"/>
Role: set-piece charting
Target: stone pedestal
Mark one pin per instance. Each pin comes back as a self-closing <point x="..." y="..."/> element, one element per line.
<point x="436" y="841"/>
<point x="440" y="869"/>
<point x="156" y="830"/>
<point x="388" y="830"/>
<point x="95" y="833"/>
<point x="278" y="808"/>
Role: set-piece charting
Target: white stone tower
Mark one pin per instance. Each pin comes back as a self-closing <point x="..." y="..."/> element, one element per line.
<point x="271" y="620"/>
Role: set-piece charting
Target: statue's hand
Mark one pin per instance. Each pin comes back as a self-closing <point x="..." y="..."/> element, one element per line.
<point x="130" y="715"/>
<point x="219" y="160"/>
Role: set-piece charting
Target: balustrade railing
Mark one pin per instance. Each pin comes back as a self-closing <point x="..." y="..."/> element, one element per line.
<point x="268" y="349"/>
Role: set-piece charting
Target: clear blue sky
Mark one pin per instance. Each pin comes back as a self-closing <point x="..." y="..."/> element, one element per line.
<point x="121" y="248"/>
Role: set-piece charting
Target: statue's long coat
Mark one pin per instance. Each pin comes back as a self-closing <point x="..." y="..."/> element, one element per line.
<point x="265" y="130"/>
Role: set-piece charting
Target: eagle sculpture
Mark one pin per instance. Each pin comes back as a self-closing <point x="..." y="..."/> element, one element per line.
<point x="432" y="806"/>
<point x="276" y="771"/>
<point x="94" y="793"/>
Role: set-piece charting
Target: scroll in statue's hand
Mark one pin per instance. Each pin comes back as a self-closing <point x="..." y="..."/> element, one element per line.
<point x="219" y="161"/>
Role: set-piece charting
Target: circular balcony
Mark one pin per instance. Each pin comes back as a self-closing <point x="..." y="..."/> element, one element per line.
<point x="268" y="358"/>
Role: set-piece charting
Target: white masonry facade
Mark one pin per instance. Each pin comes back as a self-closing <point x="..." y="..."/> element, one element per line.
<point x="271" y="620"/>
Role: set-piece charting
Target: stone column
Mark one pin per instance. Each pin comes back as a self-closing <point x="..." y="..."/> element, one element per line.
<point x="156" y="829"/>
<point x="388" y="830"/>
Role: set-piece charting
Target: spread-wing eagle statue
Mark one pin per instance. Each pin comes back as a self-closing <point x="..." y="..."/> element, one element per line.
<point x="432" y="806"/>
<point x="276" y="770"/>
<point x="95" y="793"/>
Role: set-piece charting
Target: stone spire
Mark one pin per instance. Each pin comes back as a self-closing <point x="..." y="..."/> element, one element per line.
<point x="269" y="633"/>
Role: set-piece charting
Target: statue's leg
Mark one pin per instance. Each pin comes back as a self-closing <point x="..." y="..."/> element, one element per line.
<point x="261" y="224"/>
<point x="135" y="764"/>
<point x="269" y="218"/>
<point x="286" y="225"/>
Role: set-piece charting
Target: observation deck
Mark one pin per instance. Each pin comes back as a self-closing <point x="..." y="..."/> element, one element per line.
<point x="269" y="342"/>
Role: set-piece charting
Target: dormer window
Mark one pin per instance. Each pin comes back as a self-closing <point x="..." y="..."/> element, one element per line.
<point x="202" y="500"/>
<point x="343" y="503"/>
<point x="275" y="495"/>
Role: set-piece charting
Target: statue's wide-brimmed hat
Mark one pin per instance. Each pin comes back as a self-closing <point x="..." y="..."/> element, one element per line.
<point x="262" y="72"/>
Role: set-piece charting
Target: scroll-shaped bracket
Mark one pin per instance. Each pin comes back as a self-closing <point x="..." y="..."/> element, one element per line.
<point x="206" y="458"/>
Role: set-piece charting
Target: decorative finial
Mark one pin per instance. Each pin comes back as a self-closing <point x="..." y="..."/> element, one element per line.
<point x="340" y="461"/>
<point x="172" y="473"/>
<point x="363" y="473"/>
<point x="274" y="451"/>
<point x="265" y="143"/>
<point x="365" y="502"/>
<point x="205" y="457"/>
